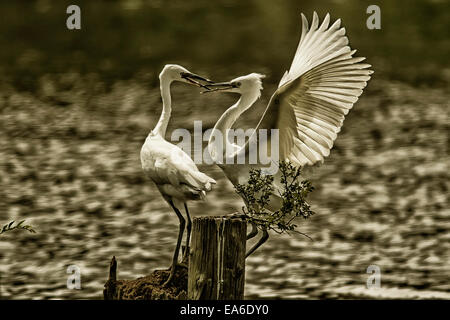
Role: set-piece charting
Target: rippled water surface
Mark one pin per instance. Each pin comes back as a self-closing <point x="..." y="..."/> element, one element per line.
<point x="76" y="108"/>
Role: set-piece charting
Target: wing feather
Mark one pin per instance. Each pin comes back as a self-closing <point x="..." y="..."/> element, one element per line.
<point x="173" y="166"/>
<point x="314" y="95"/>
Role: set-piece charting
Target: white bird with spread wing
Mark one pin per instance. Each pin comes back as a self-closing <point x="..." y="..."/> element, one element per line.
<point x="308" y="107"/>
<point x="174" y="173"/>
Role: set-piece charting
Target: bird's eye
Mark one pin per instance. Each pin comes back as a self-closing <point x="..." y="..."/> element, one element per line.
<point x="238" y="84"/>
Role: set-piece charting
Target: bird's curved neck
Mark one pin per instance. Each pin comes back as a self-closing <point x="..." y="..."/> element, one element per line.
<point x="163" y="121"/>
<point x="218" y="141"/>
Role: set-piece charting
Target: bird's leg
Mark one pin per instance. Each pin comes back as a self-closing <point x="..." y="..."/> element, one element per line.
<point x="188" y="235"/>
<point x="254" y="231"/>
<point x="177" y="248"/>
<point x="263" y="239"/>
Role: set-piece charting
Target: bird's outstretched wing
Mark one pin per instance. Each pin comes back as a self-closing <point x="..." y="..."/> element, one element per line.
<point x="313" y="97"/>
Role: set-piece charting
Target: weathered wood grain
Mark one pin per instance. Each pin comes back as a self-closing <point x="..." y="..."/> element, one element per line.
<point x="217" y="258"/>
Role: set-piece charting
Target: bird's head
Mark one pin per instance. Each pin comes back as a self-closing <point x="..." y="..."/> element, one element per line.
<point x="250" y="83"/>
<point x="174" y="72"/>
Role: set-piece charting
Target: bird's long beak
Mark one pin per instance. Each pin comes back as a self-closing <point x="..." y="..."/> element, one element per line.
<point x="195" y="78"/>
<point x="219" y="86"/>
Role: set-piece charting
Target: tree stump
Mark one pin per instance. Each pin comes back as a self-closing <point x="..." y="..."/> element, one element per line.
<point x="217" y="258"/>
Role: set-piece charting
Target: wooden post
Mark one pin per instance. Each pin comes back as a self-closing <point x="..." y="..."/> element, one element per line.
<point x="217" y="258"/>
<point x="110" y="285"/>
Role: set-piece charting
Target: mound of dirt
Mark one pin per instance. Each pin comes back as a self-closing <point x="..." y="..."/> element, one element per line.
<point x="147" y="288"/>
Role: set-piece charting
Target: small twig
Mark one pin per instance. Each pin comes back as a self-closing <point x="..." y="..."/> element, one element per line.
<point x="256" y="195"/>
<point x="304" y="234"/>
<point x="10" y="226"/>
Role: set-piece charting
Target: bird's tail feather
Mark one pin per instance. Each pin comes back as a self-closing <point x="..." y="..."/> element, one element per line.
<point x="200" y="181"/>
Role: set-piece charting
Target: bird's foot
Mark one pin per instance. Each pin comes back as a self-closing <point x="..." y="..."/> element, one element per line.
<point x="172" y="270"/>
<point x="180" y="264"/>
<point x="169" y="279"/>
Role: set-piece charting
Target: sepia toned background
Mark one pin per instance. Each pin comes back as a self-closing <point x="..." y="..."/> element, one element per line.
<point x="76" y="106"/>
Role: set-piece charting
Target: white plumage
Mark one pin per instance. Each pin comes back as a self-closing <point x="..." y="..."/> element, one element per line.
<point x="308" y="107"/>
<point x="174" y="173"/>
<point x="319" y="89"/>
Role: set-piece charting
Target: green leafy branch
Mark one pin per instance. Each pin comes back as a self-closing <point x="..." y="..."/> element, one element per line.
<point x="257" y="193"/>
<point x="10" y="226"/>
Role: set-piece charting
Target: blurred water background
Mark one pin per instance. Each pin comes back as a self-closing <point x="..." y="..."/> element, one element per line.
<point x="76" y="106"/>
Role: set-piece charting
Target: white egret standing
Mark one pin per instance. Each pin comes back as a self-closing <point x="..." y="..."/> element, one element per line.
<point x="308" y="107"/>
<point x="174" y="173"/>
